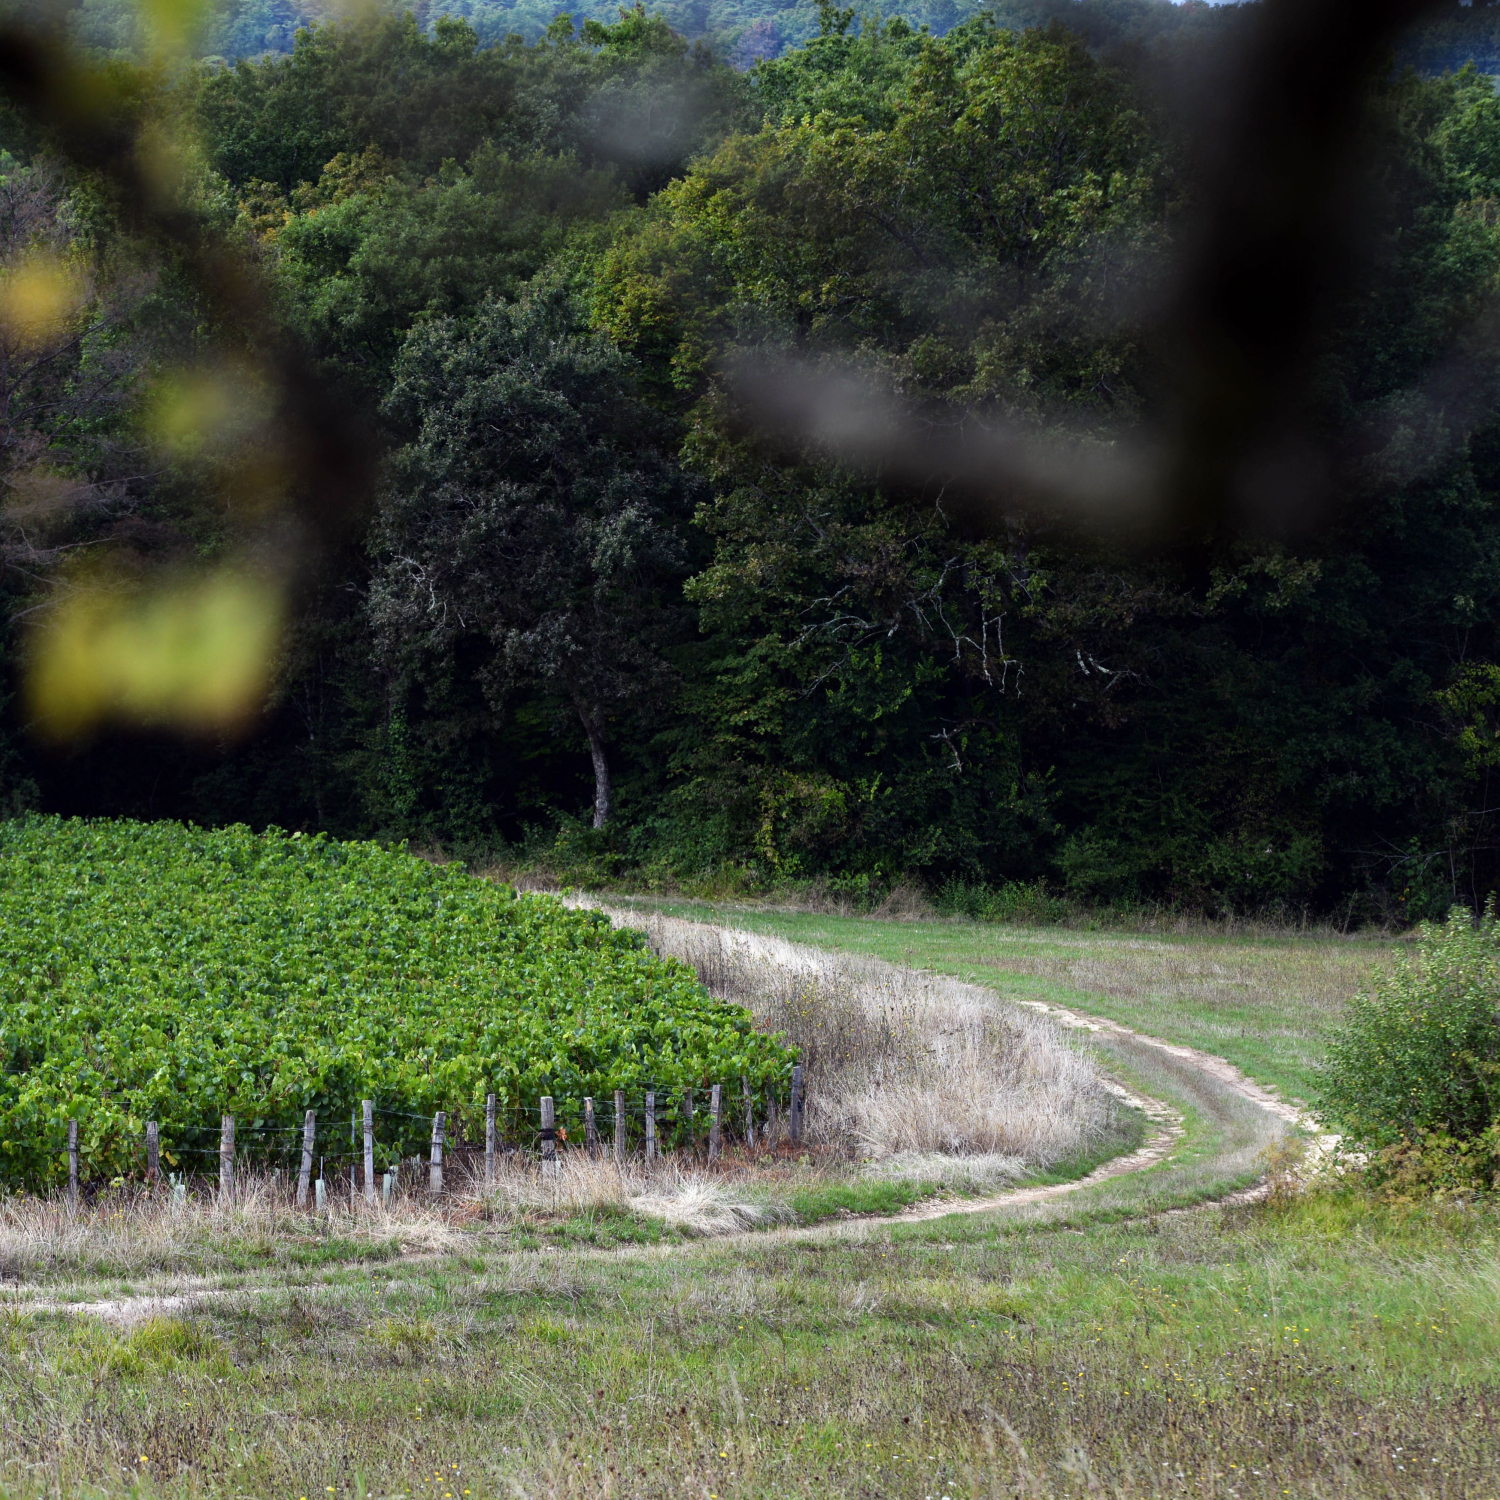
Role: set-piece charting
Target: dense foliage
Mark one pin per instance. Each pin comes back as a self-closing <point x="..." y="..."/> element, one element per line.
<point x="1419" y="1052"/>
<point x="742" y="30"/>
<point x="1413" y="1072"/>
<point x="598" y="615"/>
<point x="154" y="971"/>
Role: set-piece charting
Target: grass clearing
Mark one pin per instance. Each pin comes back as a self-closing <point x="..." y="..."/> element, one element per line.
<point x="1121" y="1340"/>
<point x="1332" y="1348"/>
<point x="1262" y="1001"/>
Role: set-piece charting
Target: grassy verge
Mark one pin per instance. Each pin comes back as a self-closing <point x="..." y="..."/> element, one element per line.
<point x="1100" y="1343"/>
<point x="1262" y="1002"/>
<point x="1310" y="1351"/>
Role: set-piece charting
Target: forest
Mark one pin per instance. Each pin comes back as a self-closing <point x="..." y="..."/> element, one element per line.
<point x="588" y="614"/>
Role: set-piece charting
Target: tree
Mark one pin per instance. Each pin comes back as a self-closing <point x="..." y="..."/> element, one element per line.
<point x="530" y="531"/>
<point x="73" y="357"/>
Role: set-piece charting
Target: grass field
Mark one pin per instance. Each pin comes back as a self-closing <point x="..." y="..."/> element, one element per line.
<point x="1262" y="1002"/>
<point x="1118" y="1342"/>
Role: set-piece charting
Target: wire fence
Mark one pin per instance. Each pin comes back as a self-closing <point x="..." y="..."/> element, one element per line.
<point x="324" y="1148"/>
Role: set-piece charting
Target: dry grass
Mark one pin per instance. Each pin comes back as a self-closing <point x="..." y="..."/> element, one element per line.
<point x="133" y="1232"/>
<point x="1265" y="1003"/>
<point x="901" y="1063"/>
<point x="1332" y="1350"/>
<point x="695" y="1201"/>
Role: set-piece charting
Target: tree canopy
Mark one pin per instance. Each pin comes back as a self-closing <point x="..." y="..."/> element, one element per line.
<point x="598" y="607"/>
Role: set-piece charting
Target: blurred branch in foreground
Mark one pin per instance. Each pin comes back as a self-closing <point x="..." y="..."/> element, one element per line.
<point x="1275" y="230"/>
<point x="230" y="405"/>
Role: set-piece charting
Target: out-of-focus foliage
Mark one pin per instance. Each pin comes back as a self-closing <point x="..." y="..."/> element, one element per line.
<point x="534" y="264"/>
<point x="157" y="972"/>
<point x="198" y="656"/>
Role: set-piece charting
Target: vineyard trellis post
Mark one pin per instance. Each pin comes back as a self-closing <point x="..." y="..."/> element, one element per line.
<point x="309" y="1135"/>
<point x="368" y="1105"/>
<point x="72" y="1163"/>
<point x="489" y="1140"/>
<point x="153" y="1152"/>
<point x="226" y="1158"/>
<point x="435" y="1157"/>
<point x="650" y="1126"/>
<point x="549" y="1134"/>
<point x="619" y="1127"/>
<point x="794" y="1121"/>
<point x="768" y="1131"/>
<point x="715" y="1111"/>
<point x="687" y="1110"/>
<point x="749" y="1099"/>
<point x="590" y="1128"/>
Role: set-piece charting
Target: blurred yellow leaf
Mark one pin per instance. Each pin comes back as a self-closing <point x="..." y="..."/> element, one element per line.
<point x="173" y="25"/>
<point x="39" y="295"/>
<point x="208" y="408"/>
<point x="162" y="154"/>
<point x="193" y="653"/>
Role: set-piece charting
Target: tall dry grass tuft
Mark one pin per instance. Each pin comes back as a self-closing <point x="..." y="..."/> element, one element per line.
<point x="134" y="1231"/>
<point x="693" y="1201"/>
<point x="130" y="1230"/>
<point x="899" y="1061"/>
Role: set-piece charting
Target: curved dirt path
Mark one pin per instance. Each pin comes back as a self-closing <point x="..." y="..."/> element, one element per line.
<point x="1156" y="1150"/>
<point x="1222" y="1074"/>
<point x="1168" y="1120"/>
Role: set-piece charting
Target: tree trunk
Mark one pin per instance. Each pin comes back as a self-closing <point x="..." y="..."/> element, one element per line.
<point x="602" y="794"/>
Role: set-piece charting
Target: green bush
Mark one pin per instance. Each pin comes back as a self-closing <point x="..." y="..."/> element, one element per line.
<point x="1012" y="902"/>
<point x="1437" y="1166"/>
<point x="1417" y="1057"/>
<point x="158" y="972"/>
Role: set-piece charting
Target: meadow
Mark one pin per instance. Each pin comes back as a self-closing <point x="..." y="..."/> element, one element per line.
<point x="1133" y="1338"/>
<point x="1262" y="998"/>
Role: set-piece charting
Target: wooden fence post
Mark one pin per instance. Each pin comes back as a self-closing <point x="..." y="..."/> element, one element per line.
<point x="590" y="1128"/>
<point x="309" y="1135"/>
<point x="73" y="1163"/>
<point x="369" y="1113"/>
<point x="226" y="1157"/>
<point x="749" y="1099"/>
<point x="489" y="1140"/>
<point x="619" y="1127"/>
<point x="549" y="1134"/>
<point x="650" y="1126"/>
<point x="687" y="1109"/>
<point x="768" y="1130"/>
<point x="153" y="1152"/>
<point x="794" y="1122"/>
<point x="715" y="1111"/>
<point x="435" y="1159"/>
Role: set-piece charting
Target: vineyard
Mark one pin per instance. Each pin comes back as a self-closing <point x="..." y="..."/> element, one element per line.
<point x="167" y="973"/>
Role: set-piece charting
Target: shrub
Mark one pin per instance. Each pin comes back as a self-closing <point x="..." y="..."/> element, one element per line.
<point x="1417" y="1057"/>
<point x="1026" y="905"/>
<point x="1437" y="1166"/>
